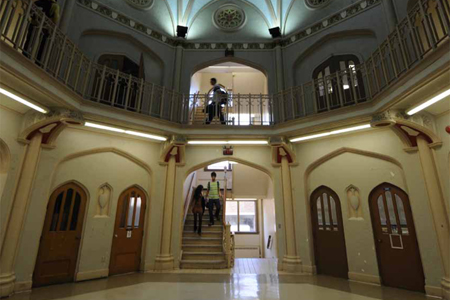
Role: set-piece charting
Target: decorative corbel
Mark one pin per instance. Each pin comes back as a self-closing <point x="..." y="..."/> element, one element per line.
<point x="408" y="128"/>
<point x="281" y="148"/>
<point x="50" y="124"/>
<point x="179" y="142"/>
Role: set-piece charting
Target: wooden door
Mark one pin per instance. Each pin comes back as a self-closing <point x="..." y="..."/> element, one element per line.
<point x="328" y="233"/>
<point x="61" y="236"/>
<point x="128" y="232"/>
<point x="395" y="238"/>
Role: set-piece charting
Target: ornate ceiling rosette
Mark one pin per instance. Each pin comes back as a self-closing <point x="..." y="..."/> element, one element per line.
<point x="141" y="4"/>
<point x="229" y="17"/>
<point x="317" y="3"/>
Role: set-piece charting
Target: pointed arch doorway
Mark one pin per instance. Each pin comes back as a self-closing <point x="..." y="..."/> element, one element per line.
<point x="398" y="253"/>
<point x="328" y="233"/>
<point x="128" y="232"/>
<point x="61" y="236"/>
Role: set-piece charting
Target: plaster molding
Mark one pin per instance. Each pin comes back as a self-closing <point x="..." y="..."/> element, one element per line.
<point x="50" y="124"/>
<point x="88" y="275"/>
<point x="280" y="148"/>
<point x="175" y="147"/>
<point x="313" y="29"/>
<point x="364" y="278"/>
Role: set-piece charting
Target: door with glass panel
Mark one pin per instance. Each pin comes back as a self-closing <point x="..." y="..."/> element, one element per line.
<point x="61" y="236"/>
<point x="395" y="238"/>
<point x="128" y="232"/>
<point x="328" y="233"/>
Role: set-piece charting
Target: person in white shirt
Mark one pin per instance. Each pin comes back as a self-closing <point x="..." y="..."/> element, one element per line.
<point x="214" y="108"/>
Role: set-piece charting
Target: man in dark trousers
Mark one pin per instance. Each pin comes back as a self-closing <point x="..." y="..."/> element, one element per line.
<point x="50" y="9"/>
<point x="215" y="107"/>
<point x="214" y="195"/>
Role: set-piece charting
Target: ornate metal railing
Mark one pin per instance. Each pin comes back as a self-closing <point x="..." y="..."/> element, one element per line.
<point x="25" y="28"/>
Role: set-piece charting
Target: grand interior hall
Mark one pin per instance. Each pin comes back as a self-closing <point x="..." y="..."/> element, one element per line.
<point x="232" y="149"/>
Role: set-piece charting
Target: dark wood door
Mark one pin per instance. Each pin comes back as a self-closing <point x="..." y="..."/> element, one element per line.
<point x="128" y="232"/>
<point x="328" y="233"/>
<point x="61" y="236"/>
<point x="395" y="238"/>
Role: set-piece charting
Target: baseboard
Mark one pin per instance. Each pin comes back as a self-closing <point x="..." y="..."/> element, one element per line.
<point x="307" y="269"/>
<point x="364" y="278"/>
<point x="23" y="286"/>
<point x="88" y="275"/>
<point x="433" y="291"/>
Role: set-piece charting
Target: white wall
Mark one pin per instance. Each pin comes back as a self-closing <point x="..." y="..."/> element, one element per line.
<point x="239" y="82"/>
<point x="269" y="227"/>
<point x="443" y="155"/>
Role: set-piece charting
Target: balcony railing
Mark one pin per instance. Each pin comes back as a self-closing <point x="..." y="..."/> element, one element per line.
<point x="26" y="29"/>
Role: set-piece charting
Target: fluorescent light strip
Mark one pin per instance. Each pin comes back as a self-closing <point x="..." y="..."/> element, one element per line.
<point x="23" y="101"/>
<point x="334" y="132"/>
<point x="429" y="102"/>
<point x="227" y="142"/>
<point x="130" y="132"/>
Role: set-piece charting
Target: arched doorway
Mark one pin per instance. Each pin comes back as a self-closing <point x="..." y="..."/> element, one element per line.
<point x="61" y="236"/>
<point x="128" y="232"/>
<point x="247" y="205"/>
<point x="398" y="254"/>
<point x="328" y="233"/>
<point x="245" y="89"/>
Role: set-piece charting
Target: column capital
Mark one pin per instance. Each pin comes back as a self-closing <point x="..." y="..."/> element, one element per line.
<point x="409" y="128"/>
<point x="175" y="147"/>
<point x="50" y="124"/>
<point x="281" y="148"/>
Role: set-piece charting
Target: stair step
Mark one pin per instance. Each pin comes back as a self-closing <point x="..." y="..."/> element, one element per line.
<point x="201" y="248"/>
<point x="202" y="240"/>
<point x="203" y="264"/>
<point x="203" y="256"/>
<point x="205" y="228"/>
<point x="207" y="234"/>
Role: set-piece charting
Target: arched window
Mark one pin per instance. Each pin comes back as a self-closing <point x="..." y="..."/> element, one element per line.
<point x="338" y="83"/>
<point x="119" y="92"/>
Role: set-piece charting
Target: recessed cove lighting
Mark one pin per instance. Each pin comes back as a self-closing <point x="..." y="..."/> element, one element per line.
<point x="429" y="102"/>
<point x="130" y="132"/>
<point x="315" y="136"/>
<point x="243" y="142"/>
<point x="23" y="101"/>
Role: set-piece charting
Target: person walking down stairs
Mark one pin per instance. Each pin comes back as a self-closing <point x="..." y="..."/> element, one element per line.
<point x="198" y="208"/>
<point x="213" y="195"/>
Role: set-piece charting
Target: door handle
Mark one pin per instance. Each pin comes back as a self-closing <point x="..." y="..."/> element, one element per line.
<point x="380" y="241"/>
<point x="77" y="238"/>
<point x="115" y="235"/>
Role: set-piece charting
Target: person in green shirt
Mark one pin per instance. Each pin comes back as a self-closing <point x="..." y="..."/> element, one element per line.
<point x="214" y="195"/>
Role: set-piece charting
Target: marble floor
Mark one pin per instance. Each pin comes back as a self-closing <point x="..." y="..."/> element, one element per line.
<point x="181" y="285"/>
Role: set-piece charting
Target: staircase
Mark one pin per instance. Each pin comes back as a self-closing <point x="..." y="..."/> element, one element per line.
<point x="199" y="115"/>
<point x="205" y="251"/>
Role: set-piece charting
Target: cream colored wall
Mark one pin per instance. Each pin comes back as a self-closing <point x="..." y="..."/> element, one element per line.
<point x="121" y="163"/>
<point x="10" y="127"/>
<point x="442" y="155"/>
<point x="203" y="177"/>
<point x="249" y="182"/>
<point x="195" y="83"/>
<point x="225" y="79"/>
<point x="269" y="228"/>
<point x="364" y="172"/>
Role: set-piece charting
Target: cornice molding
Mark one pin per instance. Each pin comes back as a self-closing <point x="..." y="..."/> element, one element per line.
<point x="328" y="22"/>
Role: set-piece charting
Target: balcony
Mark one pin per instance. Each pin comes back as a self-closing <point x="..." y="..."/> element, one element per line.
<point x="26" y="30"/>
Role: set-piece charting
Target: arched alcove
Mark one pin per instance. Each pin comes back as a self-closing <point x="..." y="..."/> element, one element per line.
<point x="5" y="161"/>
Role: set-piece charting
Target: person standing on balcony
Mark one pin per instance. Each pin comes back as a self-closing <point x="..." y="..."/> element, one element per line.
<point x="51" y="10"/>
<point x="214" y="195"/>
<point x="198" y="208"/>
<point x="214" y="109"/>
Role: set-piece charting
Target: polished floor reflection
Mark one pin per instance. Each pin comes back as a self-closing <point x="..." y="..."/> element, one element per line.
<point x="176" y="286"/>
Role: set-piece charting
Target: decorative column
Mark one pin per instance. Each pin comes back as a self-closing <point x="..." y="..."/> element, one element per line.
<point x="172" y="156"/>
<point x="283" y="156"/>
<point x="418" y="134"/>
<point x="438" y="207"/>
<point x="17" y="217"/>
<point x="391" y="16"/>
<point x="66" y="15"/>
<point x="178" y="65"/>
<point x="40" y="130"/>
<point x="279" y="65"/>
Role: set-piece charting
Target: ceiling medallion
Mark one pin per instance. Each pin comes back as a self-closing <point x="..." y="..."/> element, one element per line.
<point x="317" y="3"/>
<point x="229" y="17"/>
<point x="141" y="4"/>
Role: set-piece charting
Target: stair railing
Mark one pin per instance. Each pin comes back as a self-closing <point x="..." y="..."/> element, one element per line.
<point x="26" y="29"/>
<point x="227" y="236"/>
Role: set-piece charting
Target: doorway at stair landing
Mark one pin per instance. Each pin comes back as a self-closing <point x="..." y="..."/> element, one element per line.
<point x="250" y="209"/>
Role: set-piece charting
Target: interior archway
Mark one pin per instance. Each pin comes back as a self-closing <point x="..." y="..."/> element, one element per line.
<point x="5" y="160"/>
<point x="248" y="208"/>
